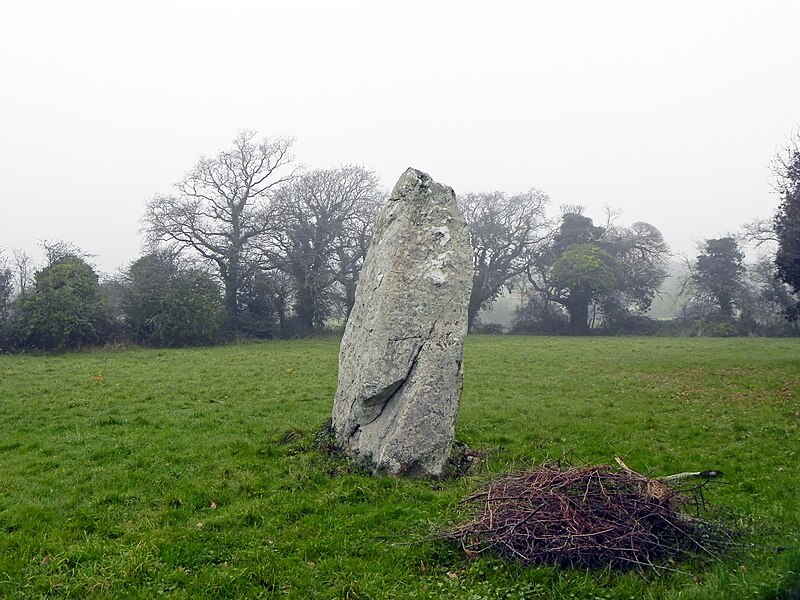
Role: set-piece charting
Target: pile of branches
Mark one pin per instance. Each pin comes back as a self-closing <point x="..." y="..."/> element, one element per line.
<point x="587" y="517"/>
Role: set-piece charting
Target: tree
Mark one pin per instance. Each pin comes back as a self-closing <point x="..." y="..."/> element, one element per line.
<point x="787" y="221"/>
<point x="166" y="303"/>
<point x="6" y="293"/>
<point x="325" y="217"/>
<point x="6" y="303"/>
<point x="66" y="308"/>
<point x="583" y="273"/>
<point x="717" y="277"/>
<point x="59" y="250"/>
<point x="641" y="254"/>
<point x="614" y="269"/>
<point x="6" y="289"/>
<point x="540" y="315"/>
<point x="23" y="266"/>
<point x="759" y="232"/>
<point x="15" y="280"/>
<point x="766" y="301"/>
<point x="506" y="232"/>
<point x="222" y="209"/>
<point x="262" y="304"/>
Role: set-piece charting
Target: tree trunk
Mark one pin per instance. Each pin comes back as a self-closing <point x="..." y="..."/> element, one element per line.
<point x="349" y="297"/>
<point x="280" y="308"/>
<point x="305" y="310"/>
<point x="578" y="308"/>
<point x="473" y="309"/>
<point x="231" y="309"/>
<point x="726" y="306"/>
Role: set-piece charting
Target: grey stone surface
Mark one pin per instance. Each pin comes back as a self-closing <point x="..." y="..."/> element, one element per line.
<point x="400" y="362"/>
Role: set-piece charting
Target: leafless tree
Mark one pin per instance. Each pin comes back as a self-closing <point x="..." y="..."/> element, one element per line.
<point x="506" y="232"/>
<point x="20" y="265"/>
<point x="759" y="232"/>
<point x="786" y="167"/>
<point x="325" y="218"/>
<point x="642" y="256"/>
<point x="223" y="207"/>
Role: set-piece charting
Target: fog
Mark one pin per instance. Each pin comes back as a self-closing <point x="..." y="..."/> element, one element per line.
<point x="669" y="112"/>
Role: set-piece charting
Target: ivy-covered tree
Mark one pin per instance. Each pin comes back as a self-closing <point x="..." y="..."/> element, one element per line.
<point x="614" y="270"/>
<point x="6" y="299"/>
<point x="65" y="308"/>
<point x="787" y="221"/>
<point x="717" y="278"/>
<point x="6" y="291"/>
<point x="582" y="274"/>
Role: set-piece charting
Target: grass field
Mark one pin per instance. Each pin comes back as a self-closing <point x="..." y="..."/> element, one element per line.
<point x="193" y="473"/>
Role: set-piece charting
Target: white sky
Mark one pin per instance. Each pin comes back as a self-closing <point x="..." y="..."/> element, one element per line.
<point x="668" y="110"/>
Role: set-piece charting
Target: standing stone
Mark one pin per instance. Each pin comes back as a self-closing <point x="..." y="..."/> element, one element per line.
<point x="400" y="362"/>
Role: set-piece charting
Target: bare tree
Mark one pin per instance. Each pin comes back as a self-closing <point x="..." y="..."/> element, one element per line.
<point x="13" y="264"/>
<point x="325" y="219"/>
<point x="642" y="255"/>
<point x="506" y="232"/>
<point x="758" y="232"/>
<point x="221" y="209"/>
<point x="24" y="267"/>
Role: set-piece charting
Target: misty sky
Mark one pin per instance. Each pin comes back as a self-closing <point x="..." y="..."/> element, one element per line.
<point x="669" y="111"/>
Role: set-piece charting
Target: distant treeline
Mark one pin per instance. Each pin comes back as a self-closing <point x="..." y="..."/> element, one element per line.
<point x="250" y="247"/>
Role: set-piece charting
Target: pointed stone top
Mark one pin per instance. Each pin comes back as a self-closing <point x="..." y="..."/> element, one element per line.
<point x="414" y="182"/>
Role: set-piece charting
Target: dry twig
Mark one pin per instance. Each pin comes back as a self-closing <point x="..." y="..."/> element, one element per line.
<point x="589" y="517"/>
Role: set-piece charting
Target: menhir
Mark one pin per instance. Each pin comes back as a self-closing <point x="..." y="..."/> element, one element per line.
<point x="400" y="362"/>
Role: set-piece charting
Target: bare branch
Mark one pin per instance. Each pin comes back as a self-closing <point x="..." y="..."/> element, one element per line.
<point x="222" y="211"/>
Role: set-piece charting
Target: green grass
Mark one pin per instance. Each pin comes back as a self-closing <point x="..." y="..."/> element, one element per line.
<point x="143" y="473"/>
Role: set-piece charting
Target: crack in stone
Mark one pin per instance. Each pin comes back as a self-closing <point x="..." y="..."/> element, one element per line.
<point x="388" y="394"/>
<point x="384" y="398"/>
<point x="407" y="337"/>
